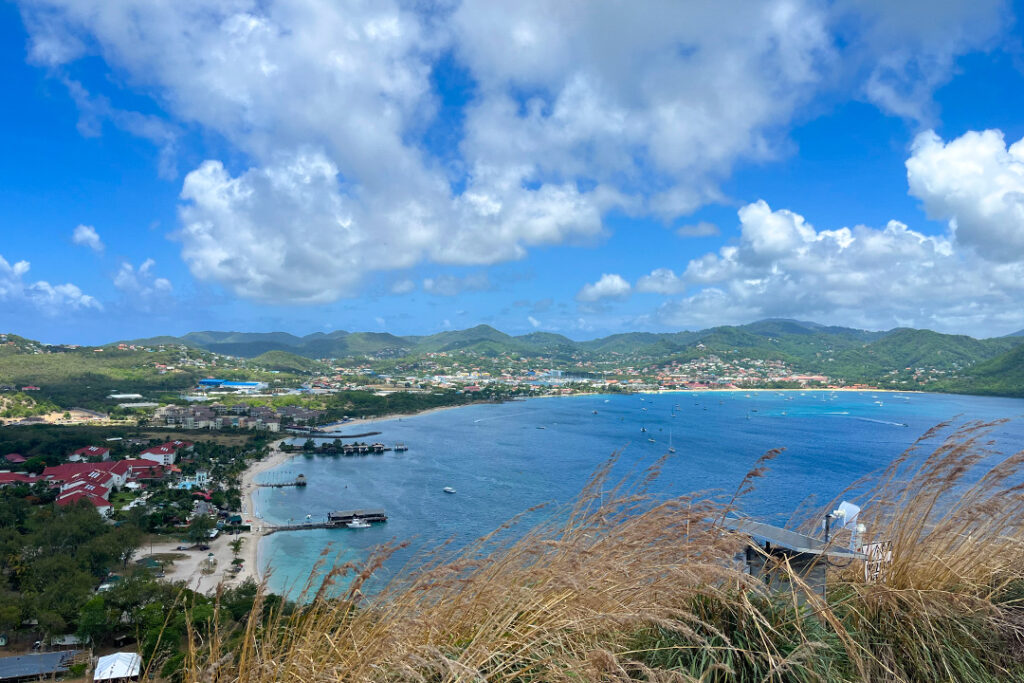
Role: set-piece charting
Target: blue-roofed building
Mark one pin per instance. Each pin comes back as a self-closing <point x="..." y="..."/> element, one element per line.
<point x="36" y="666"/>
<point x="211" y="383"/>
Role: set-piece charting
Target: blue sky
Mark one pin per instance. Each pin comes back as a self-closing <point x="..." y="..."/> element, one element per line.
<point x="578" y="167"/>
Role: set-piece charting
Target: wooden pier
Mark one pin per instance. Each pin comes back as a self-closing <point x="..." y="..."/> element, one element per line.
<point x="298" y="481"/>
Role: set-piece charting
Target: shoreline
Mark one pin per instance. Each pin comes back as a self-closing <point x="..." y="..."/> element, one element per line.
<point x="342" y="426"/>
<point x="276" y="458"/>
<point x="250" y="553"/>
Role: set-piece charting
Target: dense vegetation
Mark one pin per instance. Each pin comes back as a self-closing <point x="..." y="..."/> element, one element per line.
<point x="51" y="560"/>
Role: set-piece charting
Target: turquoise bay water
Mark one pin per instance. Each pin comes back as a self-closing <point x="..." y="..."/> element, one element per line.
<point x="501" y="463"/>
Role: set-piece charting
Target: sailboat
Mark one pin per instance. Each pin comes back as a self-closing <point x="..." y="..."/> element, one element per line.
<point x="671" y="449"/>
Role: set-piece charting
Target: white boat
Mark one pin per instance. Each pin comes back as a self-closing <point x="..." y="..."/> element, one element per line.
<point x="357" y="523"/>
<point x="671" y="449"/>
<point x="448" y="489"/>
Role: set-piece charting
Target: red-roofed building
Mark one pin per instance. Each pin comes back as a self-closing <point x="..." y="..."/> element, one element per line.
<point x="164" y="455"/>
<point x="73" y="497"/>
<point x="107" y="474"/>
<point x="93" y="452"/>
<point x="139" y="469"/>
<point x="85" y="486"/>
<point x="107" y="480"/>
<point x="15" y="458"/>
<point x="11" y="478"/>
<point x="68" y="471"/>
<point x="179" y="445"/>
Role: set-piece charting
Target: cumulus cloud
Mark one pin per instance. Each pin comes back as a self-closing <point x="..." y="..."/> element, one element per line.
<point x="871" y="277"/>
<point x="701" y="229"/>
<point x="577" y="108"/>
<point x="87" y="236"/>
<point x="661" y="281"/>
<point x="450" y="285"/>
<point x="610" y="286"/>
<point x="976" y="183"/>
<point x="41" y="295"/>
<point x="140" y="284"/>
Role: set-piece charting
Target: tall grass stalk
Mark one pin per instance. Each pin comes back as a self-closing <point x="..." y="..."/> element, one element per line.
<point x="624" y="586"/>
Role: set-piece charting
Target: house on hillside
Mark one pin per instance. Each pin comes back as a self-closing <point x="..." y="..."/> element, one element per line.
<point x="14" y="478"/>
<point x="162" y="455"/>
<point x="36" y="667"/>
<point x="72" y="497"/>
<point x="15" y="458"/>
<point x="90" y="452"/>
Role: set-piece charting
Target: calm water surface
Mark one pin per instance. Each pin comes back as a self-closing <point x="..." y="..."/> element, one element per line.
<point x="501" y="462"/>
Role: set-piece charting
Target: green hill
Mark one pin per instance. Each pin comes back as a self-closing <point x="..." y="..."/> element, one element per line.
<point x="287" y="362"/>
<point x="1001" y="376"/>
<point x="904" y="349"/>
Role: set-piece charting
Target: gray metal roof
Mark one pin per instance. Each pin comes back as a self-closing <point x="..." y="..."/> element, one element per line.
<point x="790" y="539"/>
<point x="41" y="664"/>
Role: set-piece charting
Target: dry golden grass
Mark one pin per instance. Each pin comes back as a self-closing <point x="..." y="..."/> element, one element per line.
<point x="622" y="587"/>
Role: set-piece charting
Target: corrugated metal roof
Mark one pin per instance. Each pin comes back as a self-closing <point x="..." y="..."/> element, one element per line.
<point x="118" y="665"/>
<point x="41" y="664"/>
<point x="790" y="539"/>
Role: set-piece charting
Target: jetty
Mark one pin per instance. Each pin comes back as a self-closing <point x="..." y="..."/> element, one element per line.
<point x="298" y="481"/>
<point x="335" y="520"/>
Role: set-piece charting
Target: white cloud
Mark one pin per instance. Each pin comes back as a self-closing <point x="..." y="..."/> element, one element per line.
<point x="87" y="236"/>
<point x="610" y="286"/>
<point x="403" y="287"/>
<point x="976" y="183"/>
<point x="701" y="229"/>
<point x="140" y="285"/>
<point x="909" y="48"/>
<point x="533" y="321"/>
<point x="578" y="108"/>
<point x="875" y="278"/>
<point x="450" y="285"/>
<point x="661" y="281"/>
<point x="41" y="295"/>
<point x="95" y="110"/>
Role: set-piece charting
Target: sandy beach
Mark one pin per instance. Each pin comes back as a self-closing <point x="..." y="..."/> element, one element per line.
<point x="346" y="426"/>
<point x="250" y="551"/>
<point x="204" y="570"/>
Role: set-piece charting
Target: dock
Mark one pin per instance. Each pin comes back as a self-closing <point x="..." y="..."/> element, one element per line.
<point x="346" y="516"/>
<point x="298" y="481"/>
<point x="335" y="520"/>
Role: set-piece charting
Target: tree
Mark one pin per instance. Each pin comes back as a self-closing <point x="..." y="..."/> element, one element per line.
<point x="199" y="528"/>
<point x="236" y="546"/>
<point x="94" y="620"/>
<point x="35" y="465"/>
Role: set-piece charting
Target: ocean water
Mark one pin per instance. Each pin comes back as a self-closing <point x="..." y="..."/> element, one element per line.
<point x="501" y="462"/>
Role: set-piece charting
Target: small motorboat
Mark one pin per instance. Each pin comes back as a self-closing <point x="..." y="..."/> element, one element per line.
<point x="358" y="523"/>
<point x="650" y="440"/>
<point x="448" y="489"/>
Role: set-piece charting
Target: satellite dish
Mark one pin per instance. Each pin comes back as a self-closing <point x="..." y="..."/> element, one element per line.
<point x="846" y="515"/>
